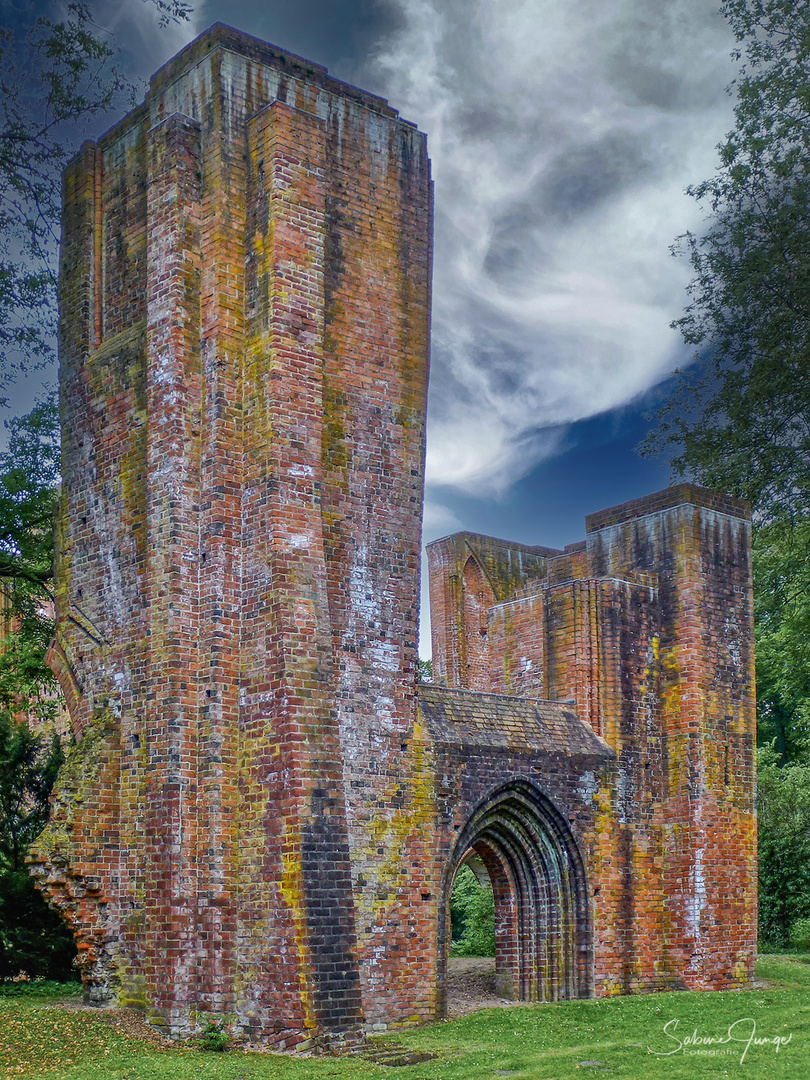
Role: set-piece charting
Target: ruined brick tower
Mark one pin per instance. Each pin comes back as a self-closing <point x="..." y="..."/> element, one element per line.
<point x="263" y="814"/>
<point x="245" y="313"/>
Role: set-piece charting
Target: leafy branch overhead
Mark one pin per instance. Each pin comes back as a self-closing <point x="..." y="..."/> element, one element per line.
<point x="740" y="420"/>
<point x="55" y="76"/>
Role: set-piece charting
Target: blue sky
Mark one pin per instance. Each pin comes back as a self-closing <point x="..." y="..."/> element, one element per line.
<point x="562" y="137"/>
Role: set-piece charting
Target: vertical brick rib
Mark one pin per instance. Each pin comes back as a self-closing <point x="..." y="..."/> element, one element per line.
<point x="173" y="404"/>
<point x="375" y="375"/>
<point x="220" y="567"/>
<point x="292" y="798"/>
<point x="98" y="283"/>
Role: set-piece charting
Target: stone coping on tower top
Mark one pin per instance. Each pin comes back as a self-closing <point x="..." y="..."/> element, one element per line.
<point x="221" y="36"/>
<point x="531" y="549"/>
<point x="668" y="499"/>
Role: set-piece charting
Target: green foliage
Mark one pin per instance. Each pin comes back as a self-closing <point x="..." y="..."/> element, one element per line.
<point x="29" y="476"/>
<point x="43" y="989"/>
<point x="32" y="937"/>
<point x="426" y="671"/>
<point x="783" y="808"/>
<point x="214" y="1037"/>
<point x="781" y="564"/>
<point x="740" y="421"/>
<point x="472" y="916"/>
<point x="29" y="479"/>
<point x="800" y="935"/>
<point x="28" y="767"/>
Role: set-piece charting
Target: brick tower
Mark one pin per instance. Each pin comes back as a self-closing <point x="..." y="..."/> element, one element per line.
<point x="244" y="352"/>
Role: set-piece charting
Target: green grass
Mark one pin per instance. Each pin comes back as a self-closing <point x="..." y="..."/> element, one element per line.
<point x="42" y="1041"/>
<point x="40" y="989"/>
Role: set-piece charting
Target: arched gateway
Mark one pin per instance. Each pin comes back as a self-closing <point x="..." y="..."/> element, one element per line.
<point x="543" y="946"/>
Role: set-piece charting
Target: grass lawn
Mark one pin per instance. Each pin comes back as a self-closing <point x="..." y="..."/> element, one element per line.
<point x="618" y="1037"/>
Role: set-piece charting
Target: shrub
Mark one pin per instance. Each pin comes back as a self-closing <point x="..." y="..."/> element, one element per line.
<point x="214" y="1037"/>
<point x="800" y="934"/>
<point x="783" y="803"/>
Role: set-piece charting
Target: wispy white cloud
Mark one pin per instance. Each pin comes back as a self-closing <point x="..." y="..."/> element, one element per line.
<point x="438" y="520"/>
<point x="562" y="138"/>
<point x="135" y="27"/>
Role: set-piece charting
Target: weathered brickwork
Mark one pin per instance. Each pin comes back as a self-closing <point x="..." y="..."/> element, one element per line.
<point x="263" y="814"/>
<point x="645" y="632"/>
<point x="245" y="314"/>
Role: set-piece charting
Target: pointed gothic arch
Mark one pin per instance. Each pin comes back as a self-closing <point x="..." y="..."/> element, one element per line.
<point x="477" y="600"/>
<point x="543" y="946"/>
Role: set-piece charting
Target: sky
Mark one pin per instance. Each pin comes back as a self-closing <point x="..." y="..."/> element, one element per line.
<point x="562" y="136"/>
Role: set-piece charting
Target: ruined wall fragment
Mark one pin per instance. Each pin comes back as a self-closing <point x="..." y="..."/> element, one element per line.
<point x="645" y="629"/>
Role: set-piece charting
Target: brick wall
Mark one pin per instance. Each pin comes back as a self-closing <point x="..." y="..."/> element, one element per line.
<point x="645" y="629"/>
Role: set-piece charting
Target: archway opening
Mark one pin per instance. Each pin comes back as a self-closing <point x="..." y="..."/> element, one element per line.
<point x="542" y="937"/>
<point x="472" y="910"/>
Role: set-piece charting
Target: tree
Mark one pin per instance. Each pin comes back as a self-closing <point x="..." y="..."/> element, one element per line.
<point x="55" y="76"/>
<point x="740" y="419"/>
<point x="29" y="478"/>
<point x="32" y="937"/>
<point x="472" y="916"/>
<point x="783" y="806"/>
<point x="782" y="630"/>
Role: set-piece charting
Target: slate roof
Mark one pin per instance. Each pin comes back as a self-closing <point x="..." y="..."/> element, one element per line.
<point x="466" y="718"/>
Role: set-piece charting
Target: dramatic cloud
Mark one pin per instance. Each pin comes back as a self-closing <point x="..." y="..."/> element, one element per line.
<point x="562" y="138"/>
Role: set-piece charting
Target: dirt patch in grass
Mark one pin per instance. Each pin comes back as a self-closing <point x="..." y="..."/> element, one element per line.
<point x="471" y="986"/>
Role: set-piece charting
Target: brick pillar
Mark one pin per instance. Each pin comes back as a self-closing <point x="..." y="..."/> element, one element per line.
<point x="170" y="707"/>
<point x="709" y="724"/>
<point x="698" y="543"/>
<point x="246" y="307"/>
